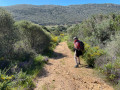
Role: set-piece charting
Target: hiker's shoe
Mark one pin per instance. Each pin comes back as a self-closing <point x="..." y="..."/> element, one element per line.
<point x="76" y="66"/>
<point x="79" y="63"/>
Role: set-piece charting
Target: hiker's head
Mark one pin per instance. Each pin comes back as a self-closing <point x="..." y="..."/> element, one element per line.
<point x="75" y="38"/>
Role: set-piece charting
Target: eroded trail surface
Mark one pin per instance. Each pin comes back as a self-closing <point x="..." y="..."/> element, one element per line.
<point x="60" y="74"/>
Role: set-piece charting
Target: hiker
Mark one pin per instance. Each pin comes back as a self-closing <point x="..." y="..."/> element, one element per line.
<point x="78" y="48"/>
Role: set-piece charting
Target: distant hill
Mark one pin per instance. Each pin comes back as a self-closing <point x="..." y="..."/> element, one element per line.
<point x="54" y="14"/>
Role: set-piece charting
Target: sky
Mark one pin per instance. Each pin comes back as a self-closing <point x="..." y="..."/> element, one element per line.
<point x="55" y="2"/>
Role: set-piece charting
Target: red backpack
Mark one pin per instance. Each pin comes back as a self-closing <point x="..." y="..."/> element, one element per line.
<point x="79" y="45"/>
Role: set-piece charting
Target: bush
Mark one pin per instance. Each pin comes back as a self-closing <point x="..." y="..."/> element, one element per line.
<point x="23" y="51"/>
<point x="118" y="86"/>
<point x="70" y="45"/>
<point x="96" y="30"/>
<point x="112" y="70"/>
<point x="91" y="54"/>
<point x="36" y="65"/>
<point x="24" y="80"/>
<point x="35" y="35"/>
<point x="8" y="34"/>
<point x="13" y="81"/>
<point x="63" y="38"/>
<point x="5" y="80"/>
<point x="110" y="62"/>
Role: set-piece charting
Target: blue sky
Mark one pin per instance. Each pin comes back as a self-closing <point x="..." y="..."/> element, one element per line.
<point x="54" y="2"/>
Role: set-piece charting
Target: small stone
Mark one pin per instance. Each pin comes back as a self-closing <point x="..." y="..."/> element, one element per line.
<point x="54" y="80"/>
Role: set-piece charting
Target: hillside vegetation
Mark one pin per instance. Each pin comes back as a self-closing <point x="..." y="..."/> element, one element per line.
<point x="22" y="45"/>
<point x="54" y="14"/>
<point x="101" y="35"/>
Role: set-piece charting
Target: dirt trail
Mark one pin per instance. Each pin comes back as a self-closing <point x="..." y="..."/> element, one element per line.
<point x="60" y="74"/>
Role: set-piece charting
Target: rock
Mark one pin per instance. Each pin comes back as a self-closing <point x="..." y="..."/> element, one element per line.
<point x="46" y="59"/>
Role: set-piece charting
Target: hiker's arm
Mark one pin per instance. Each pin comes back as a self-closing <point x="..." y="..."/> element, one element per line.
<point x="74" y="47"/>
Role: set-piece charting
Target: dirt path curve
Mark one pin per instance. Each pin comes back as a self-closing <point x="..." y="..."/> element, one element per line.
<point x="60" y="74"/>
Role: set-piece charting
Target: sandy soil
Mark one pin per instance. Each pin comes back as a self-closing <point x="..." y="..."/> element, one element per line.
<point x="60" y="74"/>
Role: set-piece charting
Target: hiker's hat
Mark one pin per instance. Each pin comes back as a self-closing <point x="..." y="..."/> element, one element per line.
<point x="75" y="38"/>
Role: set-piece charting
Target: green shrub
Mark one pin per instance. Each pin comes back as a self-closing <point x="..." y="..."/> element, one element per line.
<point x="70" y="45"/>
<point x="38" y="58"/>
<point x="109" y="67"/>
<point x="117" y="87"/>
<point x="8" y="34"/>
<point x="36" y="65"/>
<point x="109" y="70"/>
<point x="91" y="54"/>
<point x="23" y="51"/>
<point x="21" y="77"/>
<point x="24" y="80"/>
<point x="53" y="43"/>
<point x="15" y="81"/>
<point x="35" y="35"/>
<point x="96" y="30"/>
<point x="5" y="80"/>
<point x="63" y="38"/>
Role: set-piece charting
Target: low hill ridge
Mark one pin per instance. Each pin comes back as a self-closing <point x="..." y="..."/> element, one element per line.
<point x="56" y="14"/>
